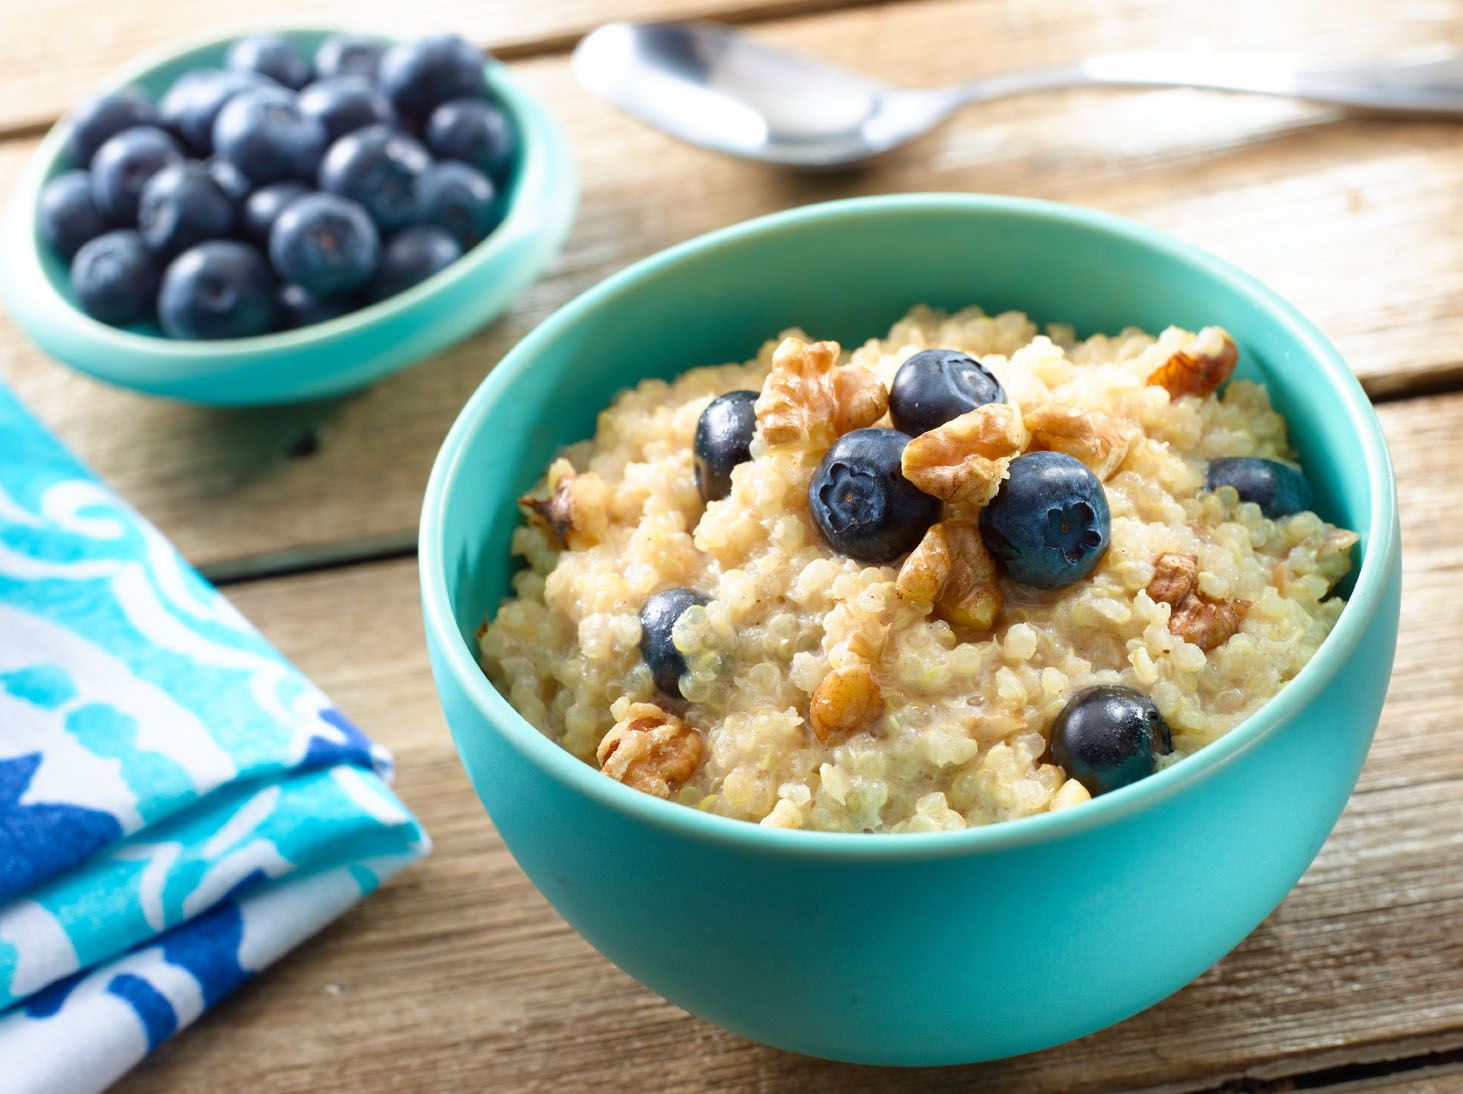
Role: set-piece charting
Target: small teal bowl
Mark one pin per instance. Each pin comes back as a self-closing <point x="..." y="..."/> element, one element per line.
<point x="945" y="947"/>
<point x="313" y="362"/>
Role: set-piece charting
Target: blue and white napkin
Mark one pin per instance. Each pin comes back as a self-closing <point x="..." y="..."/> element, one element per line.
<point x="179" y="806"/>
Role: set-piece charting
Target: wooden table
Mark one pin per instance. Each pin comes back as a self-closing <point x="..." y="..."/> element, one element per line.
<point x="458" y="976"/>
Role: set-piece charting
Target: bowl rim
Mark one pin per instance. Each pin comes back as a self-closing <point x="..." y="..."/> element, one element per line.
<point x="204" y="356"/>
<point x="1380" y="539"/>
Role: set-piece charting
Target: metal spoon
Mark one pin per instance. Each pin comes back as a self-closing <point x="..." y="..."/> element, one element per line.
<point x="716" y="87"/>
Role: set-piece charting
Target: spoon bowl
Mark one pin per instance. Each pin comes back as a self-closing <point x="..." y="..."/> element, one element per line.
<point x="714" y="86"/>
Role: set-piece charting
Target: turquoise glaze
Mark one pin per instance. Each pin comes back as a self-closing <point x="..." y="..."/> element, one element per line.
<point x="935" y="948"/>
<point x="313" y="362"/>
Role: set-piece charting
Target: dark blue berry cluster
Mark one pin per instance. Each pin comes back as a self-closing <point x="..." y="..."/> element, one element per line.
<point x="280" y="190"/>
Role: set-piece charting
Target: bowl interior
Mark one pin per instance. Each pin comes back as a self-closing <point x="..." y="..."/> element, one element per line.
<point x="153" y="76"/>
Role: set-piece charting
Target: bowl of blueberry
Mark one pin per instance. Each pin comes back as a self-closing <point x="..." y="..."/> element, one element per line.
<point x="284" y="215"/>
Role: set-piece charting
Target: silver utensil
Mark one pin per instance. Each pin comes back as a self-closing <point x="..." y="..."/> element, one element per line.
<point x="714" y="86"/>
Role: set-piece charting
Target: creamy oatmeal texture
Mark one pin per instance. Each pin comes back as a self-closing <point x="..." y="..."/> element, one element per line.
<point x="830" y="694"/>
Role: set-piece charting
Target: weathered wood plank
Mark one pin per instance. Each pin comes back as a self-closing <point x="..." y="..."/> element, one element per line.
<point x="459" y="976"/>
<point x="1447" y="1079"/>
<point x="1354" y="219"/>
<point x="42" y="72"/>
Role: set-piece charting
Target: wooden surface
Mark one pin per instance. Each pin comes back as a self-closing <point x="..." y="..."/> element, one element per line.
<point x="458" y="976"/>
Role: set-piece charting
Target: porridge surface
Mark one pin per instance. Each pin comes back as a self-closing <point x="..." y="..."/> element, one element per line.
<point x="960" y="734"/>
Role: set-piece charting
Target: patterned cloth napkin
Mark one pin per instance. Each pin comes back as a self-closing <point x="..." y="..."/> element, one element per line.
<point x="179" y="806"/>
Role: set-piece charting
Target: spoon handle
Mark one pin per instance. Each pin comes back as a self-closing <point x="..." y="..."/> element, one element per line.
<point x="1430" y="86"/>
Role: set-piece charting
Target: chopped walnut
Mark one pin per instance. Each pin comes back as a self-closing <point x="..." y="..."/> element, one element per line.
<point x="1174" y="577"/>
<point x="576" y="511"/>
<point x="1200" y="367"/>
<point x="1194" y="617"/>
<point x="808" y="397"/>
<point x="964" y="460"/>
<point x="650" y="750"/>
<point x="952" y="569"/>
<point x="847" y="701"/>
<point x="1090" y="436"/>
<point x="1207" y="623"/>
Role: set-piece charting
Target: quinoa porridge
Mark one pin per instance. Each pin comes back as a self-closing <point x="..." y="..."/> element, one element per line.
<point x="965" y="573"/>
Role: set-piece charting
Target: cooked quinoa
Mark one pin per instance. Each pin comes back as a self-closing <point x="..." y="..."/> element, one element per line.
<point x="961" y="734"/>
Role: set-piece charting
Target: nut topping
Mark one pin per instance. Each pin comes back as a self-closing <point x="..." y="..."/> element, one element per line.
<point x="1090" y="436"/>
<point x="847" y="701"/>
<point x="1200" y="367"/>
<point x="576" y="511"/>
<point x="952" y="569"/>
<point x="964" y="460"/>
<point x="808" y="397"/>
<point x="1174" y="576"/>
<point x="650" y="750"/>
<point x="1207" y="623"/>
<point x="1194" y="618"/>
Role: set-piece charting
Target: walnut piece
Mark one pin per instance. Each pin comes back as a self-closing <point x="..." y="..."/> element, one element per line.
<point x="1194" y="617"/>
<point x="848" y="700"/>
<point x="1207" y="623"/>
<point x="809" y="398"/>
<point x="1174" y="577"/>
<point x="575" y="513"/>
<point x="1200" y="367"/>
<point x="650" y="750"/>
<point x="952" y="569"/>
<point x="964" y="460"/>
<point x="1090" y="436"/>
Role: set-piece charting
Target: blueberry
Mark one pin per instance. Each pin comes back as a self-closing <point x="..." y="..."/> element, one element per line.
<point x="114" y="277"/>
<point x="182" y="205"/>
<point x="1048" y="524"/>
<point x="324" y="243"/>
<point x="657" y="621"/>
<point x="218" y="289"/>
<point x="936" y="385"/>
<point x="460" y="200"/>
<point x="1109" y="736"/>
<point x="270" y="55"/>
<point x="297" y="307"/>
<point x="1277" y="488"/>
<point x="473" y="131"/>
<point x="98" y="120"/>
<point x="344" y="104"/>
<point x="723" y="440"/>
<point x="419" y="76"/>
<point x="348" y="55"/>
<point x="411" y="256"/>
<point x="192" y="104"/>
<point x="861" y="501"/>
<point x="264" y="133"/>
<point x="263" y="206"/>
<point x="233" y="182"/>
<point x="381" y="169"/>
<point x="67" y="215"/>
<point x="122" y="166"/>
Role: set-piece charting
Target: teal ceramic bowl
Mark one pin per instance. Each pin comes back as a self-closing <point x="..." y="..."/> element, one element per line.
<point x="934" y="948"/>
<point x="313" y="362"/>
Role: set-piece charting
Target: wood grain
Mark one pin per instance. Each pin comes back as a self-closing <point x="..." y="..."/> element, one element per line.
<point x="1354" y="219"/>
<point x="1447" y="1079"/>
<point x="43" y="71"/>
<point x="458" y="976"/>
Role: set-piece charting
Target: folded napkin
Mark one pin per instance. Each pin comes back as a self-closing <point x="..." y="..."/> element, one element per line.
<point x="178" y="805"/>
